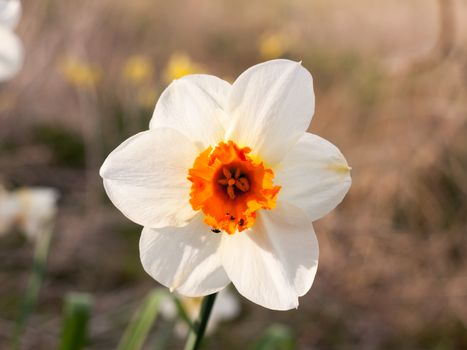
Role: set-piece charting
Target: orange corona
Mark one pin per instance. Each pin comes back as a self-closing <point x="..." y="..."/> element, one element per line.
<point x="229" y="187"/>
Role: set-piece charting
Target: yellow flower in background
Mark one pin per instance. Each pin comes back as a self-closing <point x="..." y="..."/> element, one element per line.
<point x="272" y="45"/>
<point x="179" y="65"/>
<point x="138" y="70"/>
<point x="79" y="73"/>
<point x="146" y="97"/>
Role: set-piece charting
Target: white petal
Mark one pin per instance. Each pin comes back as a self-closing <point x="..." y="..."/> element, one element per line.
<point x="146" y="178"/>
<point x="275" y="262"/>
<point x="194" y="105"/>
<point x="314" y="176"/>
<point x="184" y="259"/>
<point x="10" y="12"/>
<point x="271" y="106"/>
<point x="11" y="54"/>
<point x="38" y="209"/>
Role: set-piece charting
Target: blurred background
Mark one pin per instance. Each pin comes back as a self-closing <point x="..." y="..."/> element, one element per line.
<point x="391" y="90"/>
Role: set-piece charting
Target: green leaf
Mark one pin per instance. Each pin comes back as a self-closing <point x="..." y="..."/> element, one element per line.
<point x="137" y="331"/>
<point x="77" y="313"/>
<point x="276" y="337"/>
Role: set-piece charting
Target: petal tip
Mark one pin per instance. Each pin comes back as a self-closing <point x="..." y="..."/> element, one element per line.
<point x="340" y="168"/>
<point x="103" y="169"/>
<point x="292" y="306"/>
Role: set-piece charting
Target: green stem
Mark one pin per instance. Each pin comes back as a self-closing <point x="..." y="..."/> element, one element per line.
<point x="197" y="332"/>
<point x="182" y="312"/>
<point x="32" y="291"/>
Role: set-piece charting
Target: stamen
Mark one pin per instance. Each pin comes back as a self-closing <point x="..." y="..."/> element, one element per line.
<point x="243" y="184"/>
<point x="237" y="173"/>
<point x="223" y="182"/>
<point x="231" y="192"/>
<point x="227" y="173"/>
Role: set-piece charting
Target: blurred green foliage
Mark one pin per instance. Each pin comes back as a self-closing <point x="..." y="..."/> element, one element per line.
<point x="275" y="337"/>
<point x="76" y="317"/>
<point x="143" y="320"/>
<point x="65" y="145"/>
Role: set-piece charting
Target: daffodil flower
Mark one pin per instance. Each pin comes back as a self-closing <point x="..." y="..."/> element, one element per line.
<point x="137" y="70"/>
<point x="31" y="210"/>
<point x="179" y="65"/>
<point x="272" y="45"/>
<point x="227" y="182"/>
<point x="79" y="73"/>
<point x="11" y="49"/>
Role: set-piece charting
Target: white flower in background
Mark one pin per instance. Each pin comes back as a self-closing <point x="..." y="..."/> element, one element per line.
<point x="31" y="210"/>
<point x="226" y="307"/>
<point x="227" y="182"/>
<point x="11" y="49"/>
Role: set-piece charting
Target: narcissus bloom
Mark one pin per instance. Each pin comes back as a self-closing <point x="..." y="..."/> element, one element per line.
<point x="179" y="65"/>
<point x="272" y="45"/>
<point x="11" y="49"/>
<point x="226" y="183"/>
<point x="79" y="73"/>
<point x="138" y="70"/>
<point x="31" y="210"/>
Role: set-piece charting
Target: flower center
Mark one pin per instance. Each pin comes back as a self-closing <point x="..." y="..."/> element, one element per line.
<point x="230" y="187"/>
<point x="234" y="181"/>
